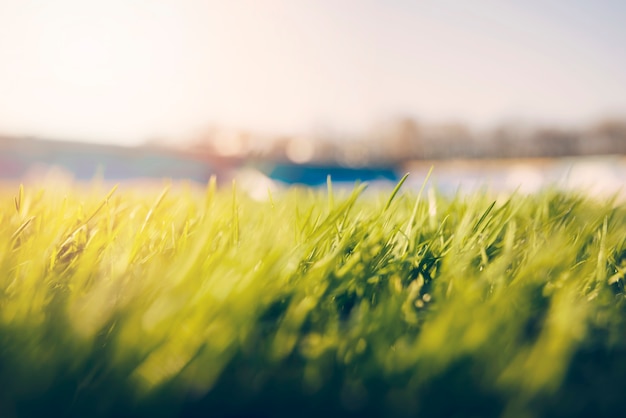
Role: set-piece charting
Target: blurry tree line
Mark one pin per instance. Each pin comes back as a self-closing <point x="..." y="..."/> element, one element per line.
<point x="405" y="138"/>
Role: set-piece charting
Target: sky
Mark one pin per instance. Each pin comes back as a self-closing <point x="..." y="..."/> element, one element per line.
<point x="123" y="71"/>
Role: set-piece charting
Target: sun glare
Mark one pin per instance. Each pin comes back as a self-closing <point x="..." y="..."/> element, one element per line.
<point x="126" y="70"/>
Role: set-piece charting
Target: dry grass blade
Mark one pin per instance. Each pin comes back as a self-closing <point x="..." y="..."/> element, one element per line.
<point x="21" y="228"/>
<point x="19" y="199"/>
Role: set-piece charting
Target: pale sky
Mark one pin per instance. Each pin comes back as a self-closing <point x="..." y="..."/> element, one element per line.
<point x="125" y="70"/>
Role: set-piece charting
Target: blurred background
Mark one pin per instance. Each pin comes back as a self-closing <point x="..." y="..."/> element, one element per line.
<point x="507" y="95"/>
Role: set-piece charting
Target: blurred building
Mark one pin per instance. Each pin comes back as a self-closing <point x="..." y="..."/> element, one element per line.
<point x="27" y="157"/>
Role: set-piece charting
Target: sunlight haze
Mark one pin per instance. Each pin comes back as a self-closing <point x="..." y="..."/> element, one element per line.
<point x="123" y="71"/>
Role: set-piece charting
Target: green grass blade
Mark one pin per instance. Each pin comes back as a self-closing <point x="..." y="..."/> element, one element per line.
<point x="395" y="191"/>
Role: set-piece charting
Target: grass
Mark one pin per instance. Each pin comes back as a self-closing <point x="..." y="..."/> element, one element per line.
<point x="180" y="302"/>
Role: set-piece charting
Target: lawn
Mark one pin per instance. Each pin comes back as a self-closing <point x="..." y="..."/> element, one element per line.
<point x="204" y="302"/>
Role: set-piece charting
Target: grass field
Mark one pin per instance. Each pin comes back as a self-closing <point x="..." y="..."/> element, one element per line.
<point x="186" y="302"/>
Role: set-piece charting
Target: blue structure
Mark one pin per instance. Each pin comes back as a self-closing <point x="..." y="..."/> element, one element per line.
<point x="316" y="174"/>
